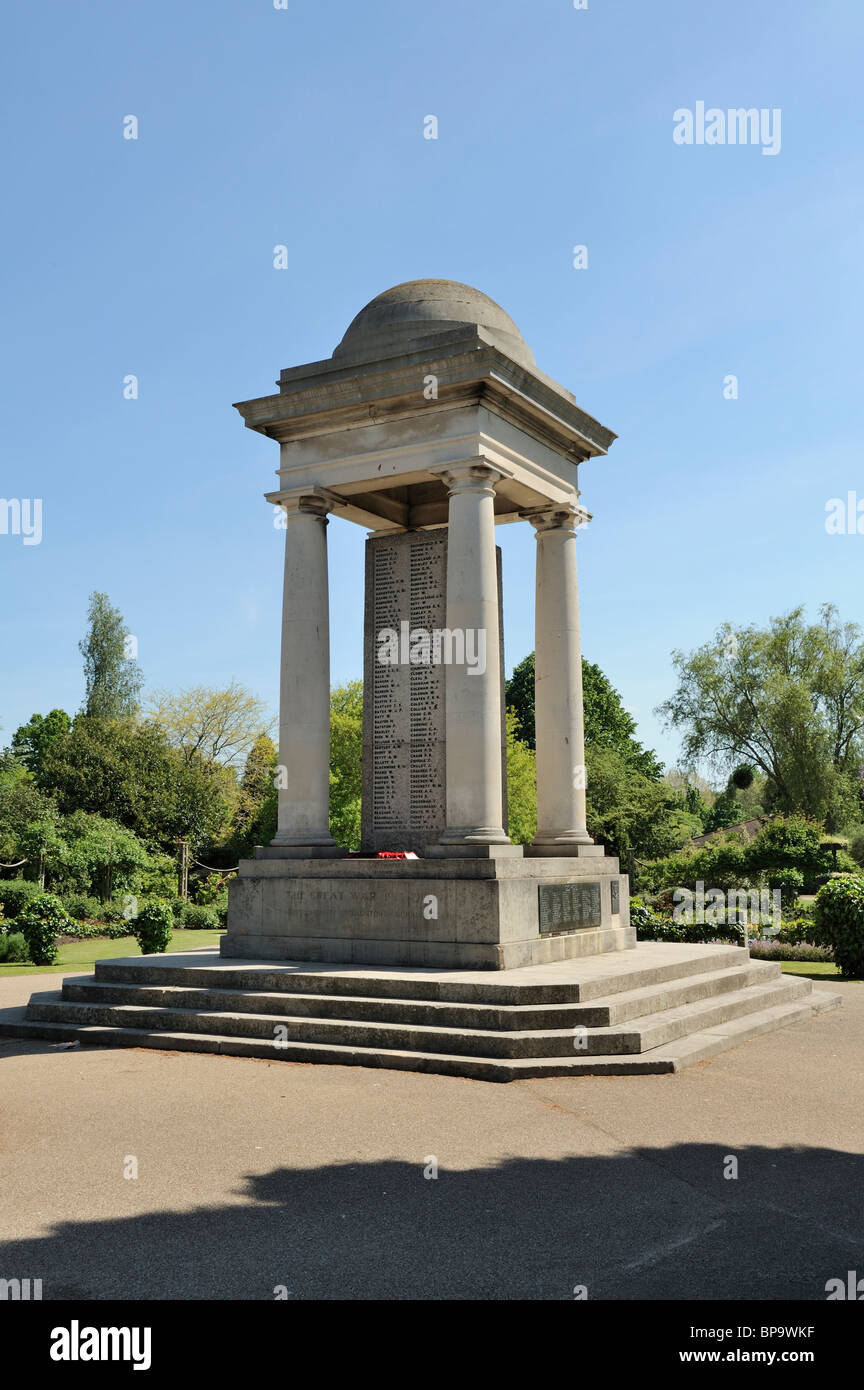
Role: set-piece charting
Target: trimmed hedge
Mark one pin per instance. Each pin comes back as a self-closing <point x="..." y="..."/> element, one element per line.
<point x="838" y="922"/>
<point x="41" y="923"/>
<point x="93" y="931"/>
<point x="153" y="927"/>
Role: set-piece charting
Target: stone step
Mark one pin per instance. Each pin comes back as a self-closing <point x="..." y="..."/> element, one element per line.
<point x="669" y="1058"/>
<point x="581" y="980"/>
<point x="639" y="1035"/>
<point x="512" y="1017"/>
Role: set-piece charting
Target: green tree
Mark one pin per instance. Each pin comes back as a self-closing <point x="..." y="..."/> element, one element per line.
<point x="519" y="696"/>
<point x="29" y="827"/>
<point x="346" y="757"/>
<point x="31" y="740"/>
<point x="788" y="698"/>
<point x="521" y="785"/>
<point x="101" y="856"/>
<point x="607" y="722"/>
<point x="112" y="678"/>
<point x="628" y="811"/>
<point x="255" y="790"/>
<point x="128" y="772"/>
<point x="218" y="725"/>
<point x="727" y="810"/>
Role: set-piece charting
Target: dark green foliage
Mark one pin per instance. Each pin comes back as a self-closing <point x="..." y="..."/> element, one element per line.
<point x="785" y="844"/>
<point x="128" y="772"/>
<point x="82" y="906"/>
<point x="838" y="922"/>
<point x="519" y="694"/>
<point x="13" y="948"/>
<point x="650" y="926"/>
<point x="153" y="926"/>
<point x="195" y="916"/>
<point x="742" y="777"/>
<point x="99" y="931"/>
<point x="628" y="811"/>
<point x="727" y="810"/>
<point x="790" y="882"/>
<point x="16" y="893"/>
<point x="41" y="923"/>
<point x="30" y="741"/>
<point x="607" y="723"/>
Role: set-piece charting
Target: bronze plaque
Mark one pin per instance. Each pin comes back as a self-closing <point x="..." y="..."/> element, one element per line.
<point x="616" y="900"/>
<point x="565" y="907"/>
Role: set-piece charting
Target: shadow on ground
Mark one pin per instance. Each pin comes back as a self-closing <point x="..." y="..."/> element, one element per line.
<point x="658" y="1223"/>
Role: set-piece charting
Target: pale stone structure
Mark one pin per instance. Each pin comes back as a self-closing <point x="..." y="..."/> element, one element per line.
<point x="430" y="424"/>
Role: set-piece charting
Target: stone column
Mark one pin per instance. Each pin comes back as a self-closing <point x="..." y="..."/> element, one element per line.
<point x="304" y="691"/>
<point x="558" y="711"/>
<point x="473" y="696"/>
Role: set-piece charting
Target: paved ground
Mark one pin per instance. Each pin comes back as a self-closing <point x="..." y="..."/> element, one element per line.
<point x="256" y="1174"/>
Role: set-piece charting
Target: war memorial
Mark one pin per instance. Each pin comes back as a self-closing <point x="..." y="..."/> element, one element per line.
<point x="441" y="946"/>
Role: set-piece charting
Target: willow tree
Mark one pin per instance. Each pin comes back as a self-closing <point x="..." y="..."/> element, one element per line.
<point x="787" y="698"/>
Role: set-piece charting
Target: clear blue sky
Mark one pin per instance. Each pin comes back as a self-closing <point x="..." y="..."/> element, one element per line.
<point x="304" y="127"/>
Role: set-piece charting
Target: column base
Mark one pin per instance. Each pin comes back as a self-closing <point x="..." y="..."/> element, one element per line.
<point x="311" y="846"/>
<point x="474" y="842"/>
<point x="572" y="842"/>
<point x="465" y="849"/>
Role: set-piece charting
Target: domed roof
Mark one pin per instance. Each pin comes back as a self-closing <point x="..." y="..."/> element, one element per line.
<point x="420" y="308"/>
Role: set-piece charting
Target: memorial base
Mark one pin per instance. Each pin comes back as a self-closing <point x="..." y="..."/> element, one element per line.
<point x="499" y="913"/>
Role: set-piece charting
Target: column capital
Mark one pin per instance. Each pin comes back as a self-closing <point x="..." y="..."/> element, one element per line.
<point x="309" y="501"/>
<point x="567" y="517"/>
<point x="470" y="475"/>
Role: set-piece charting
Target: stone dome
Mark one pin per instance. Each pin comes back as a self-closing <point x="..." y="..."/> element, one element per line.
<point x="420" y="308"/>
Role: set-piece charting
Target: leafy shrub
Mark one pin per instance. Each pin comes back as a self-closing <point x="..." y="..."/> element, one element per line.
<point x="795" y="931"/>
<point x="93" y="931"/>
<point x="41" y="923"/>
<point x="82" y="905"/>
<point x="790" y="882"/>
<point x="158" y="877"/>
<point x="114" y="913"/>
<point x="838" y="922"/>
<point x="196" y="917"/>
<point x="16" y="893"/>
<point x="651" y="927"/>
<point x="643" y="918"/>
<point x="785" y="950"/>
<point x="153" y="927"/>
<point x="856" y="846"/>
<point x="214" y="890"/>
<point x="13" y="948"/>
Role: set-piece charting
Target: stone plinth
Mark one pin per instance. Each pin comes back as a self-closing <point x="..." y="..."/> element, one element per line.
<point x="476" y="914"/>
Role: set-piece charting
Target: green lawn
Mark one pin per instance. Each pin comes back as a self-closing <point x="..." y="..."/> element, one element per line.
<point x="80" y="955"/>
<point x="816" y="968"/>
